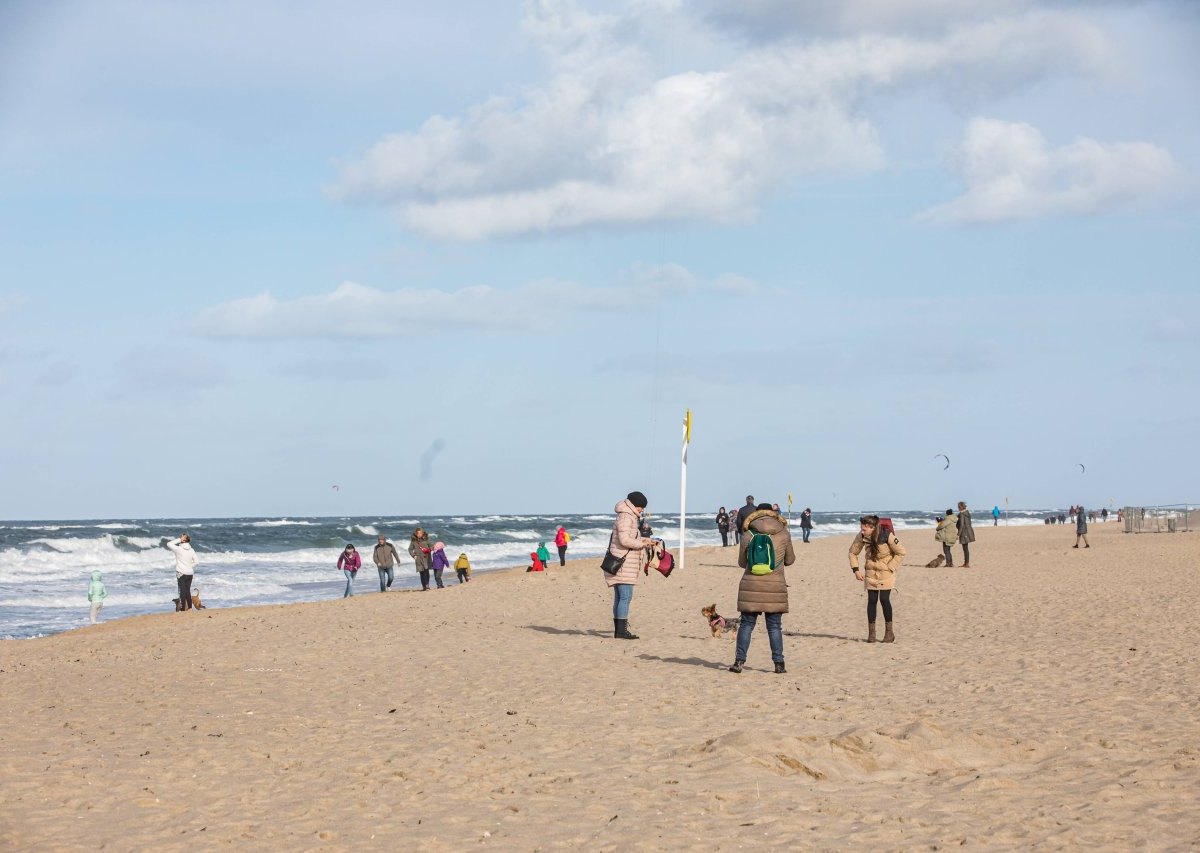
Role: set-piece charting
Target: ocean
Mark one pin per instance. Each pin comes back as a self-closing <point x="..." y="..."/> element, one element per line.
<point x="45" y="566"/>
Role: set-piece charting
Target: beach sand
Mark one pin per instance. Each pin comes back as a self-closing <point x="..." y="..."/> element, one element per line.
<point x="1045" y="697"/>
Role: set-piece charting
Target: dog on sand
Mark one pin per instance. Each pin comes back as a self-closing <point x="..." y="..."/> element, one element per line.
<point x="936" y="561"/>
<point x="717" y="623"/>
<point x="196" y="604"/>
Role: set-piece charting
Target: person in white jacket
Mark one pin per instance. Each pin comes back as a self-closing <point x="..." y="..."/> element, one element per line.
<point x="185" y="568"/>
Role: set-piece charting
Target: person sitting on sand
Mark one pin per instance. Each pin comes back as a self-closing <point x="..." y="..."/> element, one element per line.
<point x="419" y="550"/>
<point x="765" y="593"/>
<point x="349" y="562"/>
<point x="884" y="554"/>
<point x="96" y="595"/>
<point x="535" y="563"/>
<point x="440" y="563"/>
<point x="462" y="567"/>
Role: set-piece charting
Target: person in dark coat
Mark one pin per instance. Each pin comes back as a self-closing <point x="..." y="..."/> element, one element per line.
<point x="1081" y="528"/>
<point x="766" y="594"/>
<point x="723" y="526"/>
<point x="806" y="523"/>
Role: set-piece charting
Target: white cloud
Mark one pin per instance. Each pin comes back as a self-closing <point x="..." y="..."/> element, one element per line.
<point x="1011" y="172"/>
<point x="606" y="142"/>
<point x="355" y="311"/>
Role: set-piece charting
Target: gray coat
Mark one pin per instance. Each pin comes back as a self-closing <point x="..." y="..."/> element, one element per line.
<point x="765" y="593"/>
<point x="966" y="533"/>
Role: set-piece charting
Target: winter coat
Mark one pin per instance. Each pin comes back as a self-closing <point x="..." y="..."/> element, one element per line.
<point x="349" y="561"/>
<point x="765" y="593"/>
<point x="462" y="564"/>
<point x="744" y="513"/>
<point x="96" y="590"/>
<point x="723" y="522"/>
<point x="966" y="533"/>
<point x="806" y="520"/>
<point x="947" y="531"/>
<point x="1080" y="523"/>
<point x="624" y="541"/>
<point x="881" y="569"/>
<point x="561" y="538"/>
<point x="543" y="552"/>
<point x="185" y="558"/>
<point x="418" y="549"/>
<point x="440" y="560"/>
<point x="384" y="555"/>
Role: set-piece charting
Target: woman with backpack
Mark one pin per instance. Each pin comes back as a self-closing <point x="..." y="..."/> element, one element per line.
<point x="766" y="548"/>
<point x="884" y="553"/>
<point x="561" y="540"/>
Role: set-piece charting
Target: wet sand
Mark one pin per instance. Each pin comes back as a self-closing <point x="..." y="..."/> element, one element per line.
<point x="1045" y="697"/>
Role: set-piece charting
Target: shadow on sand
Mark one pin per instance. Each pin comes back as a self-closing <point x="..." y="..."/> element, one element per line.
<point x="547" y="629"/>
<point x="707" y="664"/>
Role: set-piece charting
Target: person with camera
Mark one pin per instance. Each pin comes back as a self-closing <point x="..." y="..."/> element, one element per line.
<point x="185" y="568"/>
<point x="622" y="563"/>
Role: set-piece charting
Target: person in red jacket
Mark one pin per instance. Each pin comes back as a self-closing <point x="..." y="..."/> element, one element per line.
<point x="536" y="564"/>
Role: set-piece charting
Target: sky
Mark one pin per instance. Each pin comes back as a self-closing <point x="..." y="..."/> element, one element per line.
<point x="480" y="257"/>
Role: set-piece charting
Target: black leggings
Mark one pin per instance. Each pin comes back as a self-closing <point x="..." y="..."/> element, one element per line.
<point x="884" y="597"/>
<point x="724" y="537"/>
<point x="424" y="573"/>
<point x="966" y="552"/>
<point x="185" y="591"/>
<point x="562" y="555"/>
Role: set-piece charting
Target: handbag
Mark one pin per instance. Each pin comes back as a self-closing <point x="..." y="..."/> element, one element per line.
<point x="612" y="564"/>
<point x="666" y="563"/>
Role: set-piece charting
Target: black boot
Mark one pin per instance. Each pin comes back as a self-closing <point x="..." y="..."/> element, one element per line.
<point x="621" y="630"/>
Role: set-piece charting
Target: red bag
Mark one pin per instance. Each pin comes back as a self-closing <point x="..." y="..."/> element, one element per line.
<point x="666" y="563"/>
<point x="886" y="529"/>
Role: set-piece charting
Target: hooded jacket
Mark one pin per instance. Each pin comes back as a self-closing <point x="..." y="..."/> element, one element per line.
<point x="806" y="520"/>
<point x="947" y="530"/>
<point x="562" y="538"/>
<point x="384" y="554"/>
<point x="881" y="569"/>
<point x="96" y="590"/>
<point x="462" y="564"/>
<point x="185" y="558"/>
<point x="440" y="560"/>
<point x="765" y="593"/>
<point x="543" y="552"/>
<point x="624" y="541"/>
<point x="349" y="561"/>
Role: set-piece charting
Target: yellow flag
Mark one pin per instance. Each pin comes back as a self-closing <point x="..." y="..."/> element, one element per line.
<point x="687" y="427"/>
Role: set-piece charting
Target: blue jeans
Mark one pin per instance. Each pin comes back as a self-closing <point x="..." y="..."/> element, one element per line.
<point x="349" y="582"/>
<point x="622" y="595"/>
<point x="385" y="577"/>
<point x="774" y="634"/>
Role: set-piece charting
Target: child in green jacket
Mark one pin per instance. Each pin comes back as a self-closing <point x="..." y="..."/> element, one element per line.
<point x="96" y="595"/>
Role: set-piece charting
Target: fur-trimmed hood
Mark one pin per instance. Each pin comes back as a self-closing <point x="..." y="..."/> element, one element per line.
<point x="765" y="517"/>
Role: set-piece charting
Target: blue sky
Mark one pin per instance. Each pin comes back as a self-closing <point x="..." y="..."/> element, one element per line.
<point x="250" y="251"/>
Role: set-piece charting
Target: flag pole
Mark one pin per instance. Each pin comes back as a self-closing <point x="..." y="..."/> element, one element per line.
<point x="687" y="437"/>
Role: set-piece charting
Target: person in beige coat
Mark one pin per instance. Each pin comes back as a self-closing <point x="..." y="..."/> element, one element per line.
<point x="947" y="534"/>
<point x="624" y="541"/>
<point x="884" y="554"/>
<point x="766" y="594"/>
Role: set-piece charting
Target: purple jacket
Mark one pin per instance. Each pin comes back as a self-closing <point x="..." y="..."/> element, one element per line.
<point x="350" y="560"/>
<point x="440" y="560"/>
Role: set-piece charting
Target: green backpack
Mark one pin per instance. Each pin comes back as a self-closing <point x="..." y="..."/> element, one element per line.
<point x="760" y="554"/>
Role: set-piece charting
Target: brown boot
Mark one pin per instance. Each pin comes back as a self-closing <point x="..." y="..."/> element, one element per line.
<point x="888" y="636"/>
<point x="871" y="632"/>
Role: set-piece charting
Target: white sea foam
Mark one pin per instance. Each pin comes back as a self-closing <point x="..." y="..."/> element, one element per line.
<point x="282" y="522"/>
<point x="361" y="530"/>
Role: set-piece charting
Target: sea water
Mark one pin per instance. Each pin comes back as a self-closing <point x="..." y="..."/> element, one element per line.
<point x="45" y="566"/>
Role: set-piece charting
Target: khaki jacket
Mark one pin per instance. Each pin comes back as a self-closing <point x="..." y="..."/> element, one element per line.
<point x="765" y="593"/>
<point x="947" y="530"/>
<point x="881" y="569"/>
<point x="966" y="533"/>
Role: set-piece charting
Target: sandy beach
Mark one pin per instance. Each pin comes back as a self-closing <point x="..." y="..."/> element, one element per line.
<point x="1046" y="698"/>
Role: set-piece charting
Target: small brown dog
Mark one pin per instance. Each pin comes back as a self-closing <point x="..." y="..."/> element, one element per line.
<point x="936" y="562"/>
<point x="196" y="604"/>
<point x="717" y="623"/>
